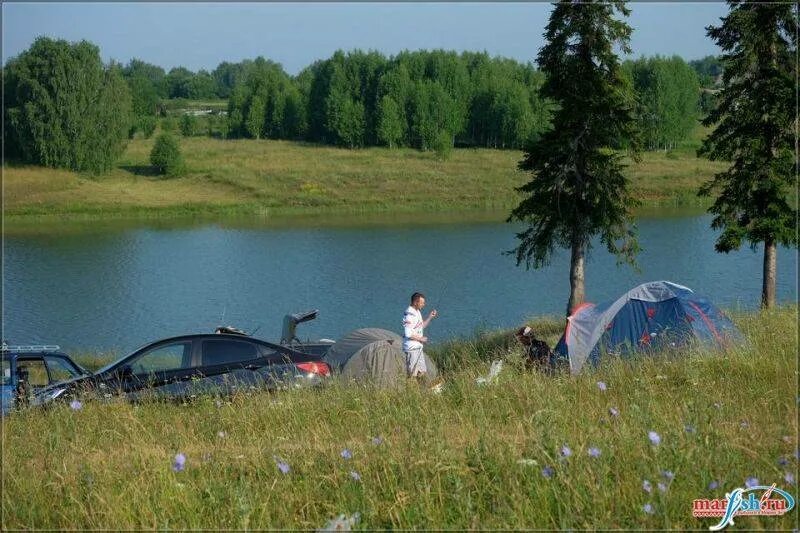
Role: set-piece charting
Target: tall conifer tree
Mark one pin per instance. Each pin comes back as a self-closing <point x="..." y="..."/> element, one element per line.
<point x="578" y="190"/>
<point x="756" y="129"/>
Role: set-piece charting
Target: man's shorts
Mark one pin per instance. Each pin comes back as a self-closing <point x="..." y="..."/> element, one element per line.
<point x="415" y="362"/>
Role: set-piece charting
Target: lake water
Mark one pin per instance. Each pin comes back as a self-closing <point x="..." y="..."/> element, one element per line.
<point x="112" y="287"/>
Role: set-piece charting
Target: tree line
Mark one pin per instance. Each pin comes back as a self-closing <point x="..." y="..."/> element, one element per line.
<point x="430" y="100"/>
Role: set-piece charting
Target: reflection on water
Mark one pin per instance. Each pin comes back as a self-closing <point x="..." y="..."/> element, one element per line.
<point x="99" y="285"/>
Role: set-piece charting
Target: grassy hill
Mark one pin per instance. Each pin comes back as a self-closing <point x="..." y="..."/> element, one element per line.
<point x="472" y="457"/>
<point x="252" y="177"/>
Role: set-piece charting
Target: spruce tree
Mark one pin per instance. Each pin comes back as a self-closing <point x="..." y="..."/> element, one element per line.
<point x="578" y="190"/>
<point x="756" y="125"/>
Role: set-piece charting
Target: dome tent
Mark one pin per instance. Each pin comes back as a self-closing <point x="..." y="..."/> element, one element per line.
<point x="374" y="355"/>
<point x="654" y="315"/>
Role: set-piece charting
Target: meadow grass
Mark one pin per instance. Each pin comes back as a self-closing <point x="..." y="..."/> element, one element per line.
<point x="265" y="177"/>
<point x="471" y="457"/>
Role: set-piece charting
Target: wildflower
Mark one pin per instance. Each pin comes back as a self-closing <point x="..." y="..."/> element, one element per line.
<point x="342" y="523"/>
<point x="744" y="424"/>
<point x="527" y="462"/>
<point x="377" y="441"/>
<point x="602" y="386"/>
<point x="717" y="405"/>
<point x="565" y="451"/>
<point x="547" y="472"/>
<point x="668" y="474"/>
<point x="788" y="477"/>
<point x="783" y="461"/>
<point x="75" y="405"/>
<point x="655" y="438"/>
<point x="180" y="463"/>
<point x="647" y="487"/>
<point x="355" y="475"/>
<point x="713" y="485"/>
<point x="688" y="428"/>
<point x="647" y="508"/>
<point x="594" y="452"/>
<point x="283" y="467"/>
<point x="221" y="434"/>
<point x="613" y="411"/>
<point x="751" y="482"/>
<point x="346" y="454"/>
<point x="662" y="487"/>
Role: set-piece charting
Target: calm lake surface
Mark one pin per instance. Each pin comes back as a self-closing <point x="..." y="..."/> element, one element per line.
<point x="113" y="286"/>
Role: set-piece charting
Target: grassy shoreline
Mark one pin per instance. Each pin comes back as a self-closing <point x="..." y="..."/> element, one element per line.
<point x="264" y="178"/>
<point x="471" y="457"/>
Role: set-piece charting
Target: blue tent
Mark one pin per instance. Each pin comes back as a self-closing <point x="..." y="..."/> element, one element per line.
<point x="654" y="315"/>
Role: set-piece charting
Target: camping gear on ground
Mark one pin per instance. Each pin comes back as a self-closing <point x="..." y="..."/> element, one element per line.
<point x="373" y="355"/>
<point x="652" y="316"/>
<point x="494" y="371"/>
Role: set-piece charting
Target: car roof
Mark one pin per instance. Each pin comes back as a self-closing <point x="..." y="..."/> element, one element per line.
<point x="215" y="336"/>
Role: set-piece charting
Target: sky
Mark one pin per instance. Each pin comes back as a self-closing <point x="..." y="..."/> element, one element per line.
<point x="202" y="35"/>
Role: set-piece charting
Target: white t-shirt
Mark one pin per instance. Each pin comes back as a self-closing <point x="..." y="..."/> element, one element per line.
<point x="412" y="325"/>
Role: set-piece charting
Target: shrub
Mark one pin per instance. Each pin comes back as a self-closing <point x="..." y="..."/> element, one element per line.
<point x="443" y="145"/>
<point x="166" y="155"/>
<point x="188" y="125"/>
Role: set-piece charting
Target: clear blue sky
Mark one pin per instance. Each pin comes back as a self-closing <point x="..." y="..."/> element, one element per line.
<point x="202" y="35"/>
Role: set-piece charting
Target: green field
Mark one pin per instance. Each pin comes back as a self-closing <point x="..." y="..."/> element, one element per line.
<point x="252" y="177"/>
<point x="471" y="457"/>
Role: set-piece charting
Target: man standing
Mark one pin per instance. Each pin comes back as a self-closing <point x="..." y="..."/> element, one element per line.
<point x="413" y="335"/>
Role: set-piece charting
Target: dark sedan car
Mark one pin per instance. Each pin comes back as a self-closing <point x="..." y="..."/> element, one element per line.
<point x="181" y="367"/>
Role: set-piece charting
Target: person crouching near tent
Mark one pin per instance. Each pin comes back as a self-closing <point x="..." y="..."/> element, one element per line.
<point x="538" y="354"/>
<point x="414" y="337"/>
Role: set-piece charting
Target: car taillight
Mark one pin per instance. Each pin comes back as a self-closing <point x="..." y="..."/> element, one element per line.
<point x="315" y="368"/>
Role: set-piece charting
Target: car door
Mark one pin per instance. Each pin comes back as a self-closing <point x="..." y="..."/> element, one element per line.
<point x="158" y="371"/>
<point x="229" y="365"/>
<point x="60" y="369"/>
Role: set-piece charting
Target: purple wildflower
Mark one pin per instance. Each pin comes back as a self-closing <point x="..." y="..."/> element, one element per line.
<point x="180" y="463"/>
<point x="788" y="477"/>
<point x="713" y="485"/>
<point x="75" y="405"/>
<point x="565" y="451"/>
<point x="646" y="486"/>
<point x="783" y="461"/>
<point x="662" y="487"/>
<point x="655" y="438"/>
<point x="668" y="474"/>
<point x="377" y="441"/>
<point x="602" y="386"/>
<point x="355" y="475"/>
<point x="688" y="428"/>
<point x="594" y="452"/>
<point x="346" y="454"/>
<point x="613" y="411"/>
<point x="751" y="482"/>
<point x="647" y="508"/>
<point x="283" y="466"/>
<point x="548" y="472"/>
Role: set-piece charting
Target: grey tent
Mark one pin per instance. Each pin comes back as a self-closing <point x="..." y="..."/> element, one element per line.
<point x="372" y="355"/>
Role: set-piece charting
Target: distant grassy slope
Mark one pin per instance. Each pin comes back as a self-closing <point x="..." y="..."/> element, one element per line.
<point x="281" y="177"/>
<point x="470" y="458"/>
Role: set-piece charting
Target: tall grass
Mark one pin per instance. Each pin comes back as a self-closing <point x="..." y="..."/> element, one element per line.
<point x="443" y="461"/>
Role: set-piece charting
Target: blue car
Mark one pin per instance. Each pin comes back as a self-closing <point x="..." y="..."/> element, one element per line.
<point x="27" y="370"/>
